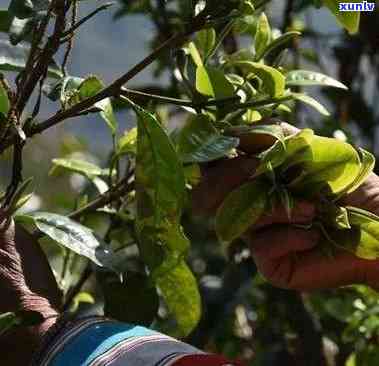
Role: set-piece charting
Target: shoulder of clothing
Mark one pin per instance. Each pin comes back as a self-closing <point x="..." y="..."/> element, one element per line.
<point x="98" y="341"/>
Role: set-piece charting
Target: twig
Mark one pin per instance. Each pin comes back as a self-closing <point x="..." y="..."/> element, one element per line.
<point x="102" y="200"/>
<point x="113" y="89"/>
<point x="51" y="47"/>
<point x="70" y="38"/>
<point x="263" y="102"/>
<point x="185" y="103"/>
<point x="86" y="18"/>
<point x="16" y="170"/>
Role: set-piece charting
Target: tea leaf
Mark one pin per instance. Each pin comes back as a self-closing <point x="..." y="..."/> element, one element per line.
<point x="199" y="141"/>
<point x="307" y="78"/>
<point x="241" y="209"/>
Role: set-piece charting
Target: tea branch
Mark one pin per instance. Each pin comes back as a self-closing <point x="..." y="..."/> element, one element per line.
<point x="181" y="102"/>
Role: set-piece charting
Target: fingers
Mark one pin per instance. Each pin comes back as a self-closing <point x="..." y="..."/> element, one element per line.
<point x="280" y="241"/>
<point x="290" y="258"/>
<point x="275" y="250"/>
<point x="218" y="181"/>
<point x="366" y="196"/>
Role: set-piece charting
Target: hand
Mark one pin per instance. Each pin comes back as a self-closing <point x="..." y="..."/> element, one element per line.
<point x="288" y="256"/>
<point x="26" y="283"/>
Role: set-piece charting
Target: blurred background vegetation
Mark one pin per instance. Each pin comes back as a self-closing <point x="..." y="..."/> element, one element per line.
<point x="244" y="317"/>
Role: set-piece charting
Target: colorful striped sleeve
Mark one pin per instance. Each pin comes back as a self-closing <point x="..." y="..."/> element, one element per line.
<point x="98" y="341"/>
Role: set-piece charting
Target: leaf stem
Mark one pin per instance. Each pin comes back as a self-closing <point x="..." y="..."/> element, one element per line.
<point x="263" y="102"/>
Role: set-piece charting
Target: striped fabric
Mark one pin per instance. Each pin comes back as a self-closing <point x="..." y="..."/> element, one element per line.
<point x="98" y="341"/>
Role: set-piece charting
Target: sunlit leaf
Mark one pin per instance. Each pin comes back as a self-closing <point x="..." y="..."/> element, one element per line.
<point x="273" y="81"/>
<point x="127" y="142"/>
<point x="325" y="162"/>
<point x="311" y="102"/>
<point x="212" y="82"/>
<point x="367" y="166"/>
<point x="86" y="168"/>
<point x="348" y="19"/>
<point x="262" y="36"/>
<point x="363" y="238"/>
<point x="307" y="78"/>
<point x="195" y="54"/>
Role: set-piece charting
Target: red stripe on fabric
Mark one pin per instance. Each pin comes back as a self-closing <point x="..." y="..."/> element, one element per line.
<point x="205" y="360"/>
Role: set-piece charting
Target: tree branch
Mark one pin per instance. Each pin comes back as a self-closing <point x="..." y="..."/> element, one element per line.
<point x="114" y="88"/>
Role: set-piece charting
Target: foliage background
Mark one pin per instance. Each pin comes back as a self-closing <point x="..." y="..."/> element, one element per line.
<point x="243" y="318"/>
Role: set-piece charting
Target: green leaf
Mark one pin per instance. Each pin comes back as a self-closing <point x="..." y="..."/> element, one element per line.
<point x="182" y="296"/>
<point x="325" y="162"/>
<point x="195" y="54"/>
<point x="311" y="102"/>
<point x="205" y="41"/>
<point x="25" y="318"/>
<point x="212" y="82"/>
<point x="306" y="78"/>
<point x="89" y="88"/>
<point x="13" y="58"/>
<point x="280" y="43"/>
<point x="363" y="238"/>
<point x="4" y="101"/>
<point x="347" y="19"/>
<point x="241" y="209"/>
<point x="79" y="166"/>
<point x="8" y="321"/>
<point x="73" y="236"/>
<point x="281" y="153"/>
<point x="5" y="20"/>
<point x="367" y="166"/>
<point x="262" y="36"/>
<point x="192" y="174"/>
<point x="133" y="300"/>
<point x="127" y="142"/>
<point x="199" y="141"/>
<point x="18" y="200"/>
<point x="74" y="90"/>
<point x="334" y="216"/>
<point x="160" y="195"/>
<point x="273" y="81"/>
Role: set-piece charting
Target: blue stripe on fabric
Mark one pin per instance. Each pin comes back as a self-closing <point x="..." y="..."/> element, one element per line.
<point x="94" y="341"/>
